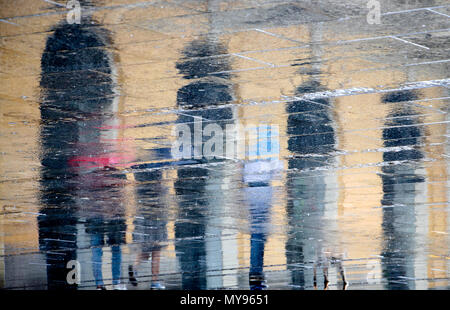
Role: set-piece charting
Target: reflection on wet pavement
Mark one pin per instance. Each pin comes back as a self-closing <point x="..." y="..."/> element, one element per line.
<point x="353" y="195"/>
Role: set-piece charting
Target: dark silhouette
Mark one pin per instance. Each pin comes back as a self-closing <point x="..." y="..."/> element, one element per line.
<point x="150" y="232"/>
<point x="399" y="189"/>
<point x="77" y="100"/>
<point x="204" y="90"/>
<point x="311" y="140"/>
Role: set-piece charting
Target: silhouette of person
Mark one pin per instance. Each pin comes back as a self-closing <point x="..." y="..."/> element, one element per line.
<point x="258" y="193"/>
<point x="399" y="189"/>
<point x="310" y="133"/>
<point x="311" y="140"/>
<point x="105" y="224"/>
<point x="198" y="99"/>
<point x="78" y="152"/>
<point x="260" y="168"/>
<point x="150" y="232"/>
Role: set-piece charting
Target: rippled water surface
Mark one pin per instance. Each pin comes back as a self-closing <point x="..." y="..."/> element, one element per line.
<point x="355" y="194"/>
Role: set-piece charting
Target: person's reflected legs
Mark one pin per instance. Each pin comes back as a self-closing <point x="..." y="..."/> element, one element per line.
<point x="116" y="237"/>
<point x="323" y="264"/>
<point x="98" y="228"/>
<point x="97" y="254"/>
<point x="259" y="195"/>
<point x="324" y="267"/>
<point x="156" y="259"/>
<point x="342" y="274"/>
<point x="116" y="262"/>
<point x="155" y="255"/>
<point x="150" y="226"/>
<point x="256" y="277"/>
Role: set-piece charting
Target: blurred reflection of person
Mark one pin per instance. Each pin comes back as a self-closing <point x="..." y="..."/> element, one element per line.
<point x="150" y="232"/>
<point x="258" y="195"/>
<point x="102" y="207"/>
<point x="399" y="189"/>
<point x="259" y="170"/>
<point x="311" y="142"/>
<point x="193" y="185"/>
<point x="324" y="263"/>
<point x="81" y="146"/>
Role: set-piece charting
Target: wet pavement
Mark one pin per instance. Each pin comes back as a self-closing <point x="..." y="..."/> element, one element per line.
<point x="354" y="195"/>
